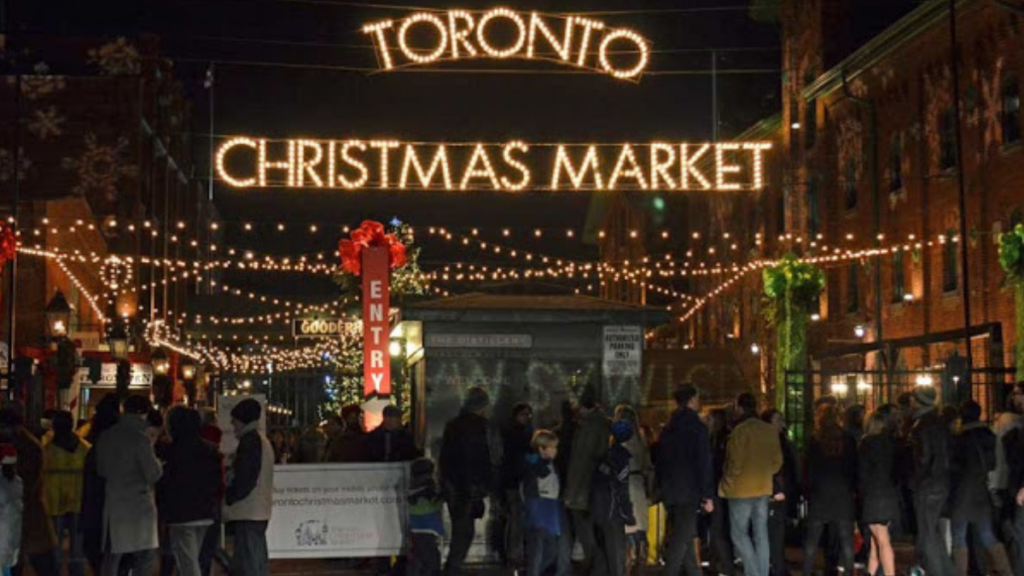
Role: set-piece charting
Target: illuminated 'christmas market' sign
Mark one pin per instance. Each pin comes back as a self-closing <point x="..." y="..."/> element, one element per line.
<point x="500" y="33"/>
<point x="245" y="162"/>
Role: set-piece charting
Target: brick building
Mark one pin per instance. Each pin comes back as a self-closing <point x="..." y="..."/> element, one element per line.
<point x="96" y="153"/>
<point x="865" y="157"/>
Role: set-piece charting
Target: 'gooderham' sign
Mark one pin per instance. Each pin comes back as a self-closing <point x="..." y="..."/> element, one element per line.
<point x="504" y="33"/>
<point x="245" y="162"/>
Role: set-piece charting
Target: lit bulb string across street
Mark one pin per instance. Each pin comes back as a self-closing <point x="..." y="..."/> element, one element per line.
<point x="825" y="259"/>
<point x="697" y="241"/>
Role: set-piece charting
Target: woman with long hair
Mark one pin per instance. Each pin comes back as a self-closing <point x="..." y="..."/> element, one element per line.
<point x="831" y="480"/>
<point x="879" y="486"/>
<point x="108" y="413"/>
<point x="641" y="476"/>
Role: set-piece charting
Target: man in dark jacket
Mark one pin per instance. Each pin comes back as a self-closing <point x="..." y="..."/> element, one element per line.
<point x="685" y="478"/>
<point x="189" y="492"/>
<point x="930" y="444"/>
<point x="589" y="450"/>
<point x="515" y="439"/>
<point x="465" y="473"/>
<point x="973" y="459"/>
<point x="391" y="442"/>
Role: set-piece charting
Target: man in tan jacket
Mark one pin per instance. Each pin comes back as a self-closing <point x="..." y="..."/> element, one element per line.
<point x="752" y="457"/>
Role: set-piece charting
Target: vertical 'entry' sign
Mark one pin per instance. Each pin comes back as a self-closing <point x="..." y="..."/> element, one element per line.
<point x="376" y="323"/>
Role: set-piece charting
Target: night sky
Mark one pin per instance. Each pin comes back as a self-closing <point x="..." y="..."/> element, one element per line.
<point x="312" y="97"/>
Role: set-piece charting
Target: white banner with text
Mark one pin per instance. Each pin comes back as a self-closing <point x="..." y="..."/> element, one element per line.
<point x="339" y="510"/>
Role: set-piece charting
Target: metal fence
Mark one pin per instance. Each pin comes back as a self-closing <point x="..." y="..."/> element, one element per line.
<point x="987" y="386"/>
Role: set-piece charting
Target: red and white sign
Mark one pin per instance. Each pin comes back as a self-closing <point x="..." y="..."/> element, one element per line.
<point x="376" y="323"/>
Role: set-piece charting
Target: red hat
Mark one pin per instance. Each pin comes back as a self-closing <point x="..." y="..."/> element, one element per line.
<point x="8" y="454"/>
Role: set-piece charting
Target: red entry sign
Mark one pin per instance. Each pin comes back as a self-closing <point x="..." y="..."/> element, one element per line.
<point x="376" y="322"/>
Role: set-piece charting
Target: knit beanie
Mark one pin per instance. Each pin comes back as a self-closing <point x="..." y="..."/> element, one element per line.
<point x="476" y="399"/>
<point x="622" y="431"/>
<point x="247" y="411"/>
<point x="925" y="395"/>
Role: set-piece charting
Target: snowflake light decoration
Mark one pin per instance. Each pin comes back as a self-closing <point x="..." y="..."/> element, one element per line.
<point x="7" y="165"/>
<point x="117" y="58"/>
<point x="99" y="168"/>
<point x="46" y="124"/>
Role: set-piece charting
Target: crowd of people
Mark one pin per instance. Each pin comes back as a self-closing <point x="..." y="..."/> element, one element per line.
<point x="135" y="490"/>
<point x="132" y="491"/>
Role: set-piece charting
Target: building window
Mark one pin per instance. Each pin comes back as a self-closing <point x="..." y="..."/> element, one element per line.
<point x="780" y="211"/>
<point x="950" y="263"/>
<point x="850" y="183"/>
<point x="1011" y="110"/>
<point x="794" y="124"/>
<point x="852" y="289"/>
<point x="947" y="140"/>
<point x="898" y="277"/>
<point x="813" y="211"/>
<point x="896" y="162"/>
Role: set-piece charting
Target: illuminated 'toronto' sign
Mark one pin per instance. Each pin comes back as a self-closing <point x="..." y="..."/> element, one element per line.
<point x="512" y="166"/>
<point x="504" y="33"/>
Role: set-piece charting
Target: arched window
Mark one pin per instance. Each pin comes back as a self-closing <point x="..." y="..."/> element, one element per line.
<point x="947" y="139"/>
<point x="850" y="184"/>
<point x="813" y="209"/>
<point x="1010" y="116"/>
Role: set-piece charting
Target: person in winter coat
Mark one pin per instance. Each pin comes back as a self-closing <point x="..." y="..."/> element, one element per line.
<point x="930" y="448"/>
<point x="130" y="469"/>
<point x="107" y="414"/>
<point x="785" y="494"/>
<point x="11" y="505"/>
<point x="974" y="457"/>
<point x="348" y="445"/>
<point x="752" y="459"/>
<point x="466" y="474"/>
<point x="831" y="480"/>
<point x="610" y="508"/>
<point x="249" y="496"/>
<point x="686" y="479"/>
<point x="547" y="536"/>
<point x="190" y="490"/>
<point x="391" y="442"/>
<point x="516" y="447"/>
<point x="878" y="481"/>
<point x="566" y="432"/>
<point x="63" y="474"/>
<point x="425" y="521"/>
<point x="589" y="449"/>
<point x="38" y="541"/>
<point x="641" y="479"/>
<point x="722" y="558"/>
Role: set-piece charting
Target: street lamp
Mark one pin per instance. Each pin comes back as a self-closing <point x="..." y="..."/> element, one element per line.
<point x="161" y="364"/>
<point x="117" y="339"/>
<point x="58" y="314"/>
<point x="188" y="371"/>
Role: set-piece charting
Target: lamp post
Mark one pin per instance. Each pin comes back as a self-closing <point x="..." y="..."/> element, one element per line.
<point x="117" y="339"/>
<point x="188" y="374"/>
<point x="58" y="314"/>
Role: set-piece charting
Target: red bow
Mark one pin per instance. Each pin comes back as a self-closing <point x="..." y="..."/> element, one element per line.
<point x="369" y="234"/>
<point x="8" y="244"/>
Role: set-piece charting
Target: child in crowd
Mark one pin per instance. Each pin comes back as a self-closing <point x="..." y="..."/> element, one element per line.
<point x="10" y="509"/>
<point x="424" y="520"/>
<point x="547" y="541"/>
<point x="610" y="506"/>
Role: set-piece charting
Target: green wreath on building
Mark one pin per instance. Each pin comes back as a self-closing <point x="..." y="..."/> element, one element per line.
<point x="1011" y="258"/>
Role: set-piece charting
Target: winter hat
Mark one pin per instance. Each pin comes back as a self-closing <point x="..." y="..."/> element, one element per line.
<point x="925" y="395"/>
<point x="622" y="431"/>
<point x="8" y="454"/>
<point x="476" y="399"/>
<point x="247" y="411"/>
